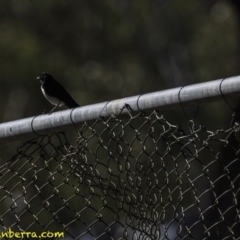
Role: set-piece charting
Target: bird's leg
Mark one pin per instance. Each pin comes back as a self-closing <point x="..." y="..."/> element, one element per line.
<point x="54" y="108"/>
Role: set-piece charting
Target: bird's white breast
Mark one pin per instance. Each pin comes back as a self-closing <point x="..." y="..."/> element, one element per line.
<point x="51" y="99"/>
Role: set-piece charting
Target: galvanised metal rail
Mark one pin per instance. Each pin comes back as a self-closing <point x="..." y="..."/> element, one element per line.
<point x="166" y="99"/>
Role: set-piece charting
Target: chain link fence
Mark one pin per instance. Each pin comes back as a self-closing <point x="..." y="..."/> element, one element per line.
<point x="137" y="177"/>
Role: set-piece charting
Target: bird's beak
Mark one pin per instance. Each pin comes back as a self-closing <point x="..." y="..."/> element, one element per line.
<point x="38" y="78"/>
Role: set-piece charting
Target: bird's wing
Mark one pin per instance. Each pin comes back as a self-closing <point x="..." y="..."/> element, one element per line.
<point x="55" y="89"/>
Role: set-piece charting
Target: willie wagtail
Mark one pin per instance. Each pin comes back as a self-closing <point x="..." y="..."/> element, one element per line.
<point x="55" y="93"/>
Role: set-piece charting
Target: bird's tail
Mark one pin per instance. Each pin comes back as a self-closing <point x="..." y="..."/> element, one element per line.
<point x="71" y="104"/>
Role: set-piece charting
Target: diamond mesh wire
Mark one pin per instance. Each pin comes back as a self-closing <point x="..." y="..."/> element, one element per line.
<point x="140" y="177"/>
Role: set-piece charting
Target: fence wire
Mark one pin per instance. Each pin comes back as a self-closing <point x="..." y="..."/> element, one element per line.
<point x="140" y="177"/>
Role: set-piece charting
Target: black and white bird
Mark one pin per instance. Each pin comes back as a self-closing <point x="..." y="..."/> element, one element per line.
<point x="55" y="93"/>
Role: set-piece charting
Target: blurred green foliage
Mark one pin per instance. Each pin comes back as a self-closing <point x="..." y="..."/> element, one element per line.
<point x="104" y="50"/>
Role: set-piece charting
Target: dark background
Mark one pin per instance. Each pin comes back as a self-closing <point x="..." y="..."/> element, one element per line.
<point x="105" y="50"/>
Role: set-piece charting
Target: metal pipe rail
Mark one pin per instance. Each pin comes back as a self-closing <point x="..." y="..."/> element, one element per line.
<point x="166" y="99"/>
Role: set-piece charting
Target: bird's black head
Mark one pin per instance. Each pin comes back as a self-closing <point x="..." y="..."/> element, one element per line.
<point x="45" y="77"/>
